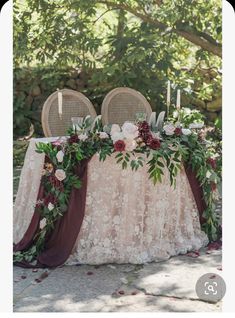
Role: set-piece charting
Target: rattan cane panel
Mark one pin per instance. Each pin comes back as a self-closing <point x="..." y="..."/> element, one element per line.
<point x="123" y="107"/>
<point x="72" y="107"/>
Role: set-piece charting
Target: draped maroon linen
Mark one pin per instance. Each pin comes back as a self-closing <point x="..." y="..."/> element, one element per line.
<point x="60" y="241"/>
<point x="197" y="191"/>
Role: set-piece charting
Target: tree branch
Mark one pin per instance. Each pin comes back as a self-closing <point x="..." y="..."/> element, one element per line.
<point x="102" y="15"/>
<point x="192" y="37"/>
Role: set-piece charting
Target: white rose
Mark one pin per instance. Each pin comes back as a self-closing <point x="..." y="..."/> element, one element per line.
<point x="169" y="129"/>
<point x="60" y="174"/>
<point x="103" y="135"/>
<point x="50" y="206"/>
<point x="83" y="137"/>
<point x="175" y="114"/>
<point x="117" y="136"/>
<point x="60" y="156"/>
<point x="130" y="131"/>
<point x="196" y="125"/>
<point x="114" y="129"/>
<point x="43" y="223"/>
<point x="130" y="144"/>
<point x="208" y="174"/>
<point x="187" y="111"/>
<point x="186" y="132"/>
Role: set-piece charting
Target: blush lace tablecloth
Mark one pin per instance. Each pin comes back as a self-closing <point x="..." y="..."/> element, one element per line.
<point x="127" y="219"/>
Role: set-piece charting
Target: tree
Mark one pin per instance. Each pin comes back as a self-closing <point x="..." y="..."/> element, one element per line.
<point x="137" y="43"/>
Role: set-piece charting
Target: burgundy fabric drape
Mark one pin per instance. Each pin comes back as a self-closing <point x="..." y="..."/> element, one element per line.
<point x="59" y="243"/>
<point x="197" y="191"/>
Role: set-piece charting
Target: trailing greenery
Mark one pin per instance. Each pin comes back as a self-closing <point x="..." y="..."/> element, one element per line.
<point x="133" y="146"/>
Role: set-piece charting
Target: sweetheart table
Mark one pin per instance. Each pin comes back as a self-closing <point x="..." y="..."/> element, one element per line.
<point x="127" y="218"/>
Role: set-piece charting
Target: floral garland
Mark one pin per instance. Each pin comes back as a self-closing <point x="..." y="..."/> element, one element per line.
<point x="177" y="141"/>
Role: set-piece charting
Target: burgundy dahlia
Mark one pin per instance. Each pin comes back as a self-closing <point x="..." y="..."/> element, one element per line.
<point x="50" y="198"/>
<point x="56" y="183"/>
<point x="119" y="145"/>
<point x="212" y="162"/>
<point x="178" y="131"/>
<point x="155" y="144"/>
<point x="148" y="138"/>
<point x="73" y="139"/>
<point x="56" y="145"/>
<point x="143" y="127"/>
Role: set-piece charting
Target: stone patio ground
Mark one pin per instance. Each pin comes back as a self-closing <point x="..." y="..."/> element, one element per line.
<point x="167" y="286"/>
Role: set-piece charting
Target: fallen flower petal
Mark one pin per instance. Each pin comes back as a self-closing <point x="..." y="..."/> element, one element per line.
<point x="44" y="275"/>
<point x="134" y="293"/>
<point x="121" y="292"/>
<point x="37" y="280"/>
<point x="193" y="254"/>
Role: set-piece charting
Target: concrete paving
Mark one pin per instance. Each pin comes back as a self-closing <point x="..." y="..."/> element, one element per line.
<point x="167" y="286"/>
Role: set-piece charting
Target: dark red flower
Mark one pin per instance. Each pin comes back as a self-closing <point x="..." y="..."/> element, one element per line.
<point x="155" y="144"/>
<point x="56" y="183"/>
<point x="56" y="144"/>
<point x="39" y="204"/>
<point x="213" y="186"/>
<point x="143" y="127"/>
<point x="50" y="198"/>
<point x="73" y="139"/>
<point x="119" y="145"/>
<point x="211" y="162"/>
<point x="178" y="131"/>
<point x="148" y="138"/>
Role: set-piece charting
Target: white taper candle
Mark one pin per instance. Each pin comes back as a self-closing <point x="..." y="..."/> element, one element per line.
<point x="60" y="102"/>
<point x="168" y="97"/>
<point x="178" y="99"/>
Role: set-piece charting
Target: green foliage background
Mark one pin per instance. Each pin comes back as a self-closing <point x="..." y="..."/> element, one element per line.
<point x="95" y="46"/>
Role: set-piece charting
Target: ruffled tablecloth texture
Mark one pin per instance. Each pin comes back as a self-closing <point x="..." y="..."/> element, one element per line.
<point x="127" y="219"/>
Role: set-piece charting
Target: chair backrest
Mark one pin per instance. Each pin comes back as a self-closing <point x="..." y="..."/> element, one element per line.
<point x="121" y="104"/>
<point x="74" y="104"/>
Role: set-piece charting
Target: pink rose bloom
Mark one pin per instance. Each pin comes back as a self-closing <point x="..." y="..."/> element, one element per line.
<point x="130" y="144"/>
<point x="60" y="174"/>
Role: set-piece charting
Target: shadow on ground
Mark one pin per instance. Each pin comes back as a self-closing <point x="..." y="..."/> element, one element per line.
<point x="164" y="286"/>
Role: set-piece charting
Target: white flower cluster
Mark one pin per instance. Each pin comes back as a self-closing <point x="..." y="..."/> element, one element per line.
<point x="128" y="133"/>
